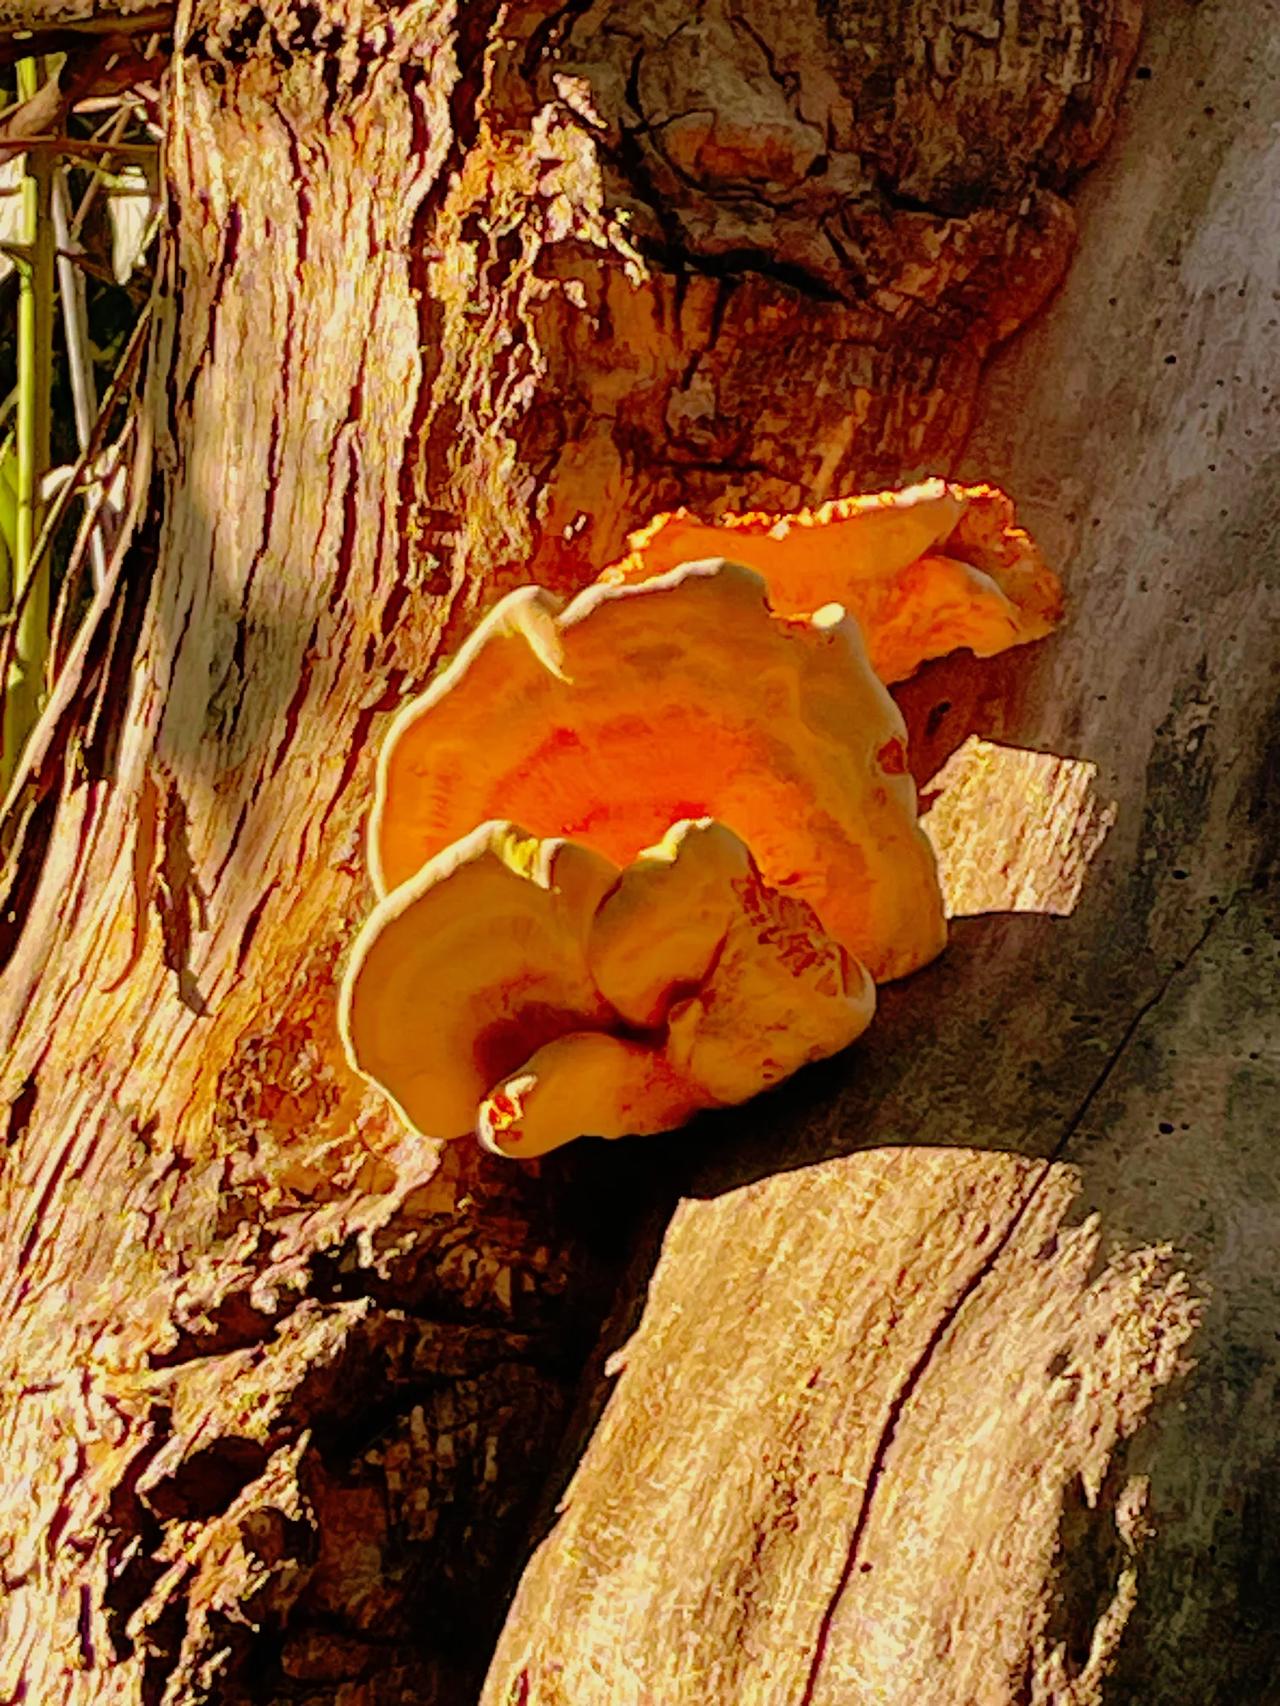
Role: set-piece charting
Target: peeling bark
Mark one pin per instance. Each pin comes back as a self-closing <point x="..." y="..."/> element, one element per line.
<point x="278" y="1382"/>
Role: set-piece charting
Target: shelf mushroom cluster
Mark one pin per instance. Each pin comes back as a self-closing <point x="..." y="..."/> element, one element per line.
<point x="651" y="851"/>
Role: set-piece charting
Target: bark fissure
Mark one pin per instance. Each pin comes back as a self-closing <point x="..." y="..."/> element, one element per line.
<point x="893" y="1415"/>
<point x="968" y="1293"/>
<point x="1160" y="994"/>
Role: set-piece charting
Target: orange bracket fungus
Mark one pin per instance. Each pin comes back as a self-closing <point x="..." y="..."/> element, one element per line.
<point x="697" y="850"/>
<point x="924" y="571"/>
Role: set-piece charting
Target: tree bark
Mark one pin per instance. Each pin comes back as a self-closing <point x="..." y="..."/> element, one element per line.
<point x="452" y="303"/>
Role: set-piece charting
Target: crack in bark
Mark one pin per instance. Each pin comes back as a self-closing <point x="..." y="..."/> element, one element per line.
<point x="347" y="437"/>
<point x="251" y="924"/>
<point x="221" y="275"/>
<point x="179" y="898"/>
<point x="892" y="1417"/>
<point x="740" y="262"/>
<point x="293" y="710"/>
<point x="21" y="1109"/>
<point x="147" y="818"/>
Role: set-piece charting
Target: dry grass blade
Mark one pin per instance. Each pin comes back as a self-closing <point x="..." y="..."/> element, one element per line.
<point x="50" y="732"/>
<point x="75" y="326"/>
<point x="89" y="533"/>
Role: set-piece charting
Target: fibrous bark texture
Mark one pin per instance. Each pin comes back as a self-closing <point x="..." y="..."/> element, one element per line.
<point x="455" y="301"/>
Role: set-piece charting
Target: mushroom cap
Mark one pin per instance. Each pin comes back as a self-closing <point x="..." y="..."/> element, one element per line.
<point x="746" y="980"/>
<point x="461" y="973"/>
<point x="682" y="696"/>
<point x="662" y="926"/>
<point x="927" y="570"/>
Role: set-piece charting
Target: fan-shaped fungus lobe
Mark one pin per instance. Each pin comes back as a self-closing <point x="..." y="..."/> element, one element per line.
<point x="465" y="970"/>
<point x="683" y="696"/>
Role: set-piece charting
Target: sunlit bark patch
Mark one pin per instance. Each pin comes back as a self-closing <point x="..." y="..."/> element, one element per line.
<point x="1014" y="830"/>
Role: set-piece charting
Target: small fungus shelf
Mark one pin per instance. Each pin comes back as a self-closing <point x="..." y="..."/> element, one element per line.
<point x="924" y="571"/>
<point x="528" y="990"/>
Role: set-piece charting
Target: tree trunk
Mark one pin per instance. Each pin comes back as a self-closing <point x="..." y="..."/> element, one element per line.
<point x="882" y="1427"/>
<point x="452" y="303"/>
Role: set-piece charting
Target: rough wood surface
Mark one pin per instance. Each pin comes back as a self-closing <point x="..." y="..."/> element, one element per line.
<point x="275" y="1384"/>
<point x="880" y="1430"/>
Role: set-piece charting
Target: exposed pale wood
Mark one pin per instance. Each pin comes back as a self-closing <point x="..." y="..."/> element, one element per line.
<point x="834" y="1464"/>
<point x="881" y="1430"/>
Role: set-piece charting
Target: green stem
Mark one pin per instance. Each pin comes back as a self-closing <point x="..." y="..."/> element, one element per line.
<point x="24" y="688"/>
